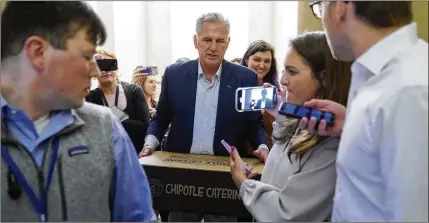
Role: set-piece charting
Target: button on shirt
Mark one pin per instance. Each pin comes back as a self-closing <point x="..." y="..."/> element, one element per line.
<point x="205" y="112"/>
<point x="382" y="162"/>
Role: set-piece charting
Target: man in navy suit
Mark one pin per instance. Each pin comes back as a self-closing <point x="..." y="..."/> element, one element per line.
<point x="198" y="99"/>
<point x="264" y="102"/>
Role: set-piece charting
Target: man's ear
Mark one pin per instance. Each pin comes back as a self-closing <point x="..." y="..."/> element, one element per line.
<point x="195" y="41"/>
<point x="227" y="44"/>
<point x="341" y="10"/>
<point x="36" y="50"/>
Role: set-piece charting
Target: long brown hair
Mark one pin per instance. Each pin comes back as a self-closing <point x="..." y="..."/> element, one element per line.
<point x="263" y="46"/>
<point x="139" y="80"/>
<point x="333" y="75"/>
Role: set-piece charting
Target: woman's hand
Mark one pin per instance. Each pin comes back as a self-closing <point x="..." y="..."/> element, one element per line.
<point x="238" y="170"/>
<point x="262" y="154"/>
<point x="281" y="97"/>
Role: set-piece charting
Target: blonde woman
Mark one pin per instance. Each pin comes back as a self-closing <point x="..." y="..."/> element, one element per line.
<point x="127" y="97"/>
<point x="148" y="84"/>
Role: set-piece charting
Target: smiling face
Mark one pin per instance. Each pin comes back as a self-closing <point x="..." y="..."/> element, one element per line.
<point x="299" y="78"/>
<point x="212" y="43"/>
<point x="260" y="62"/>
<point x="149" y="86"/>
<point x="106" y="77"/>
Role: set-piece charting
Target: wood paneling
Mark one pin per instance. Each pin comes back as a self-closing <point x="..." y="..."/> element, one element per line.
<point x="307" y="21"/>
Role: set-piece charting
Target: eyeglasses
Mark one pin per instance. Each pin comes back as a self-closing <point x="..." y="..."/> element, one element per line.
<point x="317" y="9"/>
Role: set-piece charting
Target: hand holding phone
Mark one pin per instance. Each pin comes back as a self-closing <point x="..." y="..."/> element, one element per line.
<point x="337" y="109"/>
<point x="255" y="98"/>
<point x="229" y="149"/>
<point x="282" y="95"/>
<point x="151" y="70"/>
<point x="299" y="112"/>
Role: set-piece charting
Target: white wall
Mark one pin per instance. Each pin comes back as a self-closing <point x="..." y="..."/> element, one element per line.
<point x="157" y="33"/>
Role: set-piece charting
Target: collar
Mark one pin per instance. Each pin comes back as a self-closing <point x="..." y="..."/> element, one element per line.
<point x="376" y="57"/>
<point x="67" y="113"/>
<point x="201" y="72"/>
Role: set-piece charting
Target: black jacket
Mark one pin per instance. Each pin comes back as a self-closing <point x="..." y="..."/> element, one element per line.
<point x="137" y="110"/>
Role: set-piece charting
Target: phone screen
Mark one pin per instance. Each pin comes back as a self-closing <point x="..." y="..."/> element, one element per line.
<point x="298" y="111"/>
<point x="149" y="70"/>
<point x="302" y="111"/>
<point x="107" y="64"/>
<point x="329" y="117"/>
<point x="255" y="98"/>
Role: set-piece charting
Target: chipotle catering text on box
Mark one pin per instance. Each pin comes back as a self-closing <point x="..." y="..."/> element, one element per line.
<point x="195" y="183"/>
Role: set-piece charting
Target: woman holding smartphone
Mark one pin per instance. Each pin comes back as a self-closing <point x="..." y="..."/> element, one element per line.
<point x="260" y="57"/>
<point x="298" y="180"/>
<point x="148" y="84"/>
<point x="125" y="97"/>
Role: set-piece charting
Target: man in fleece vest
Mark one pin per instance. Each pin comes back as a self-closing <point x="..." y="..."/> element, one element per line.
<point x="62" y="159"/>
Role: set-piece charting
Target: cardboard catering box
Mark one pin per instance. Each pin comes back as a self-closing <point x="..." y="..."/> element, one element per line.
<point x="195" y="183"/>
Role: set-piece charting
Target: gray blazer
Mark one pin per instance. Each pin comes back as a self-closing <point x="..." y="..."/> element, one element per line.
<point x="293" y="188"/>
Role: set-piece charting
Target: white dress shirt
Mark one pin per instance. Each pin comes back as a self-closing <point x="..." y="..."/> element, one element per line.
<point x="263" y="103"/>
<point x="382" y="164"/>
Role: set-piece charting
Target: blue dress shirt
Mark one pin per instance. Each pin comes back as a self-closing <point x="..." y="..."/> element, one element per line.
<point x="132" y="200"/>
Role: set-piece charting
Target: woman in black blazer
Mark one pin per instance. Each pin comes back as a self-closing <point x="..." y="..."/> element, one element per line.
<point x="127" y="97"/>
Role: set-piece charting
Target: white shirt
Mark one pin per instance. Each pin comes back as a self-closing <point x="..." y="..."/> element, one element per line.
<point x="41" y="123"/>
<point x="263" y="103"/>
<point x="382" y="164"/>
<point x="122" y="99"/>
<point x="206" y="102"/>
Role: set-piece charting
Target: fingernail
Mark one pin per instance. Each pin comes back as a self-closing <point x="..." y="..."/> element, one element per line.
<point x="233" y="148"/>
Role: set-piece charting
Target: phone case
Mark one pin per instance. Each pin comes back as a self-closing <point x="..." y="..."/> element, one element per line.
<point x="229" y="149"/>
<point x="245" y="88"/>
<point x="319" y="115"/>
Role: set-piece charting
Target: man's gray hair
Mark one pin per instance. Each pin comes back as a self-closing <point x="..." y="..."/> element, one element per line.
<point x="212" y="17"/>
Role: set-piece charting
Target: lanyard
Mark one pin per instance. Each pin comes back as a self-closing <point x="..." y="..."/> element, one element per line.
<point x="116" y="97"/>
<point x="38" y="204"/>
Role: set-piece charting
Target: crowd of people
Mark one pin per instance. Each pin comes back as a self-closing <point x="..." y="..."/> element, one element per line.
<point x="71" y="154"/>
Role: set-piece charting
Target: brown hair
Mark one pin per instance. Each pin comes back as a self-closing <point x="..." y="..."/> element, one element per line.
<point x="384" y="14"/>
<point x="333" y="76"/>
<point x="263" y="46"/>
<point x="139" y="80"/>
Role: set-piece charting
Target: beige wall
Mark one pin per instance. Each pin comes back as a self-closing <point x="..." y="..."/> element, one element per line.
<point x="2" y="5"/>
<point x="420" y="10"/>
<point x="307" y="21"/>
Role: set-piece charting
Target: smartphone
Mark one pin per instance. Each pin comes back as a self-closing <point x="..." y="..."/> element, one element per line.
<point x="255" y="98"/>
<point x="229" y="149"/>
<point x="299" y="111"/>
<point x="151" y="70"/>
<point x="107" y="64"/>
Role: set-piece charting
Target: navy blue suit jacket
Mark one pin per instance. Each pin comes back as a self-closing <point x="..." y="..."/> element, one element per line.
<point x="177" y="106"/>
<point x="268" y="103"/>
